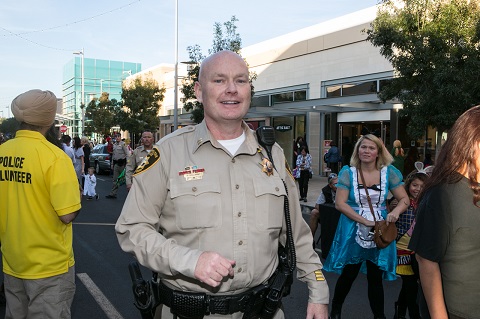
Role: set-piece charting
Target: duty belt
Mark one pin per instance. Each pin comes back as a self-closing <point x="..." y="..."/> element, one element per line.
<point x="197" y="305"/>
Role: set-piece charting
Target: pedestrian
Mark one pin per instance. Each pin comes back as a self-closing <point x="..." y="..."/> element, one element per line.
<point x="67" y="148"/>
<point x="119" y="158"/>
<point x="353" y="247"/>
<point x="297" y="145"/>
<point x="398" y="155"/>
<point x="87" y="149"/>
<point x="90" y="185"/>
<point x="79" y="161"/>
<point x="327" y="196"/>
<point x="138" y="156"/>
<point x="304" y="165"/>
<point x="39" y="199"/>
<point x="332" y="157"/>
<point x="204" y="214"/>
<point x="446" y="239"/>
<point x="406" y="265"/>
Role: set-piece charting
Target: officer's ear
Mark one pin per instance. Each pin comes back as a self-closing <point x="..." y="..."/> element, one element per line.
<point x="198" y="92"/>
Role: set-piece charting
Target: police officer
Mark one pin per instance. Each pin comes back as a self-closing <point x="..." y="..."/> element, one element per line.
<point x="205" y="211"/>
<point x="119" y="157"/>
<point x="138" y="156"/>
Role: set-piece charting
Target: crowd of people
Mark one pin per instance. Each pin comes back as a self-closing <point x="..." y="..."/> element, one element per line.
<point x="209" y="220"/>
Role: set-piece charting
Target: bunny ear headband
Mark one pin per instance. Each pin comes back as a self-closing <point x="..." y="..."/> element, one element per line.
<point x="420" y="169"/>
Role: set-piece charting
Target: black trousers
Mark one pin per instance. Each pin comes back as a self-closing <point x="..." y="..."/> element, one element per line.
<point x="303" y="183"/>
<point x="375" y="287"/>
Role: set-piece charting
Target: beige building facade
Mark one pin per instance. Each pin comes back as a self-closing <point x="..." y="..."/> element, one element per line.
<point x="320" y="82"/>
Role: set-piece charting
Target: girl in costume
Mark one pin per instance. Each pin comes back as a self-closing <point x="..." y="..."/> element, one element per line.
<point x="406" y="265"/>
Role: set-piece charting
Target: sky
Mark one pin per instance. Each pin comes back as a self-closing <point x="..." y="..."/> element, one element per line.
<point x="38" y="37"/>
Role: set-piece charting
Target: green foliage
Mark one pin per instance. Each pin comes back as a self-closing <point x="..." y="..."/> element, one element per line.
<point x="225" y="38"/>
<point x="141" y="103"/>
<point x="9" y="126"/>
<point x="434" y="47"/>
<point x="99" y="116"/>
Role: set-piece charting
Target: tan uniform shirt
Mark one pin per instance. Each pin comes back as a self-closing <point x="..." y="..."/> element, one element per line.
<point x="137" y="157"/>
<point x="234" y="209"/>
<point x="120" y="151"/>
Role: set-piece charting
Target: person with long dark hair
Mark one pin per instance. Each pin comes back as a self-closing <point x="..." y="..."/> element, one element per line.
<point x="446" y="237"/>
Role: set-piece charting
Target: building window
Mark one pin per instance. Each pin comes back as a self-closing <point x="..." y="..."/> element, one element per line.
<point x="282" y="97"/>
<point x="261" y="101"/>
<point x="349" y="89"/>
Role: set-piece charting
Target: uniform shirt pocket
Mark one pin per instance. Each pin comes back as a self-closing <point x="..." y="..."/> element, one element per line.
<point x="269" y="200"/>
<point x="197" y="203"/>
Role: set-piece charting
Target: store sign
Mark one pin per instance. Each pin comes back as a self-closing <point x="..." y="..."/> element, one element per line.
<point x="283" y="127"/>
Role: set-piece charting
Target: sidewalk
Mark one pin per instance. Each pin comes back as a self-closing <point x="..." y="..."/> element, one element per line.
<point x="315" y="186"/>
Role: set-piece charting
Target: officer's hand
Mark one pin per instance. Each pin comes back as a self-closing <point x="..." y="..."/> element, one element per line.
<point x="317" y="311"/>
<point x="212" y="268"/>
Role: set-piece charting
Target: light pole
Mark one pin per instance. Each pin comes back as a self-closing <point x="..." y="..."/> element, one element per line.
<point x="175" y="85"/>
<point x="101" y="86"/>
<point x="82" y="106"/>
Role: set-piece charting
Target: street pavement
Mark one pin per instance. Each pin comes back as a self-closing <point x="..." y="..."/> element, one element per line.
<point x="104" y="288"/>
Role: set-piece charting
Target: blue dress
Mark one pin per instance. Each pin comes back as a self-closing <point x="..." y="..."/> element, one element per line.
<point x="352" y="243"/>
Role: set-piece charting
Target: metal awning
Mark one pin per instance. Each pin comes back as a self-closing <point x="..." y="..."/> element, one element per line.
<point x="355" y="103"/>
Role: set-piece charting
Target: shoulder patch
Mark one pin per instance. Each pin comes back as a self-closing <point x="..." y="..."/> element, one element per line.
<point x="149" y="161"/>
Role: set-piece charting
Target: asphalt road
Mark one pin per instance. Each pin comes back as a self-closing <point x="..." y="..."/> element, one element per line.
<point x="104" y="285"/>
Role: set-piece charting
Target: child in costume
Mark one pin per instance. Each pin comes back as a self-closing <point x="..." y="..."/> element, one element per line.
<point x="406" y="264"/>
<point x="90" y="184"/>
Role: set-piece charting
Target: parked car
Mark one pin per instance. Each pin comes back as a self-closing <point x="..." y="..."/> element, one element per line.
<point x="100" y="159"/>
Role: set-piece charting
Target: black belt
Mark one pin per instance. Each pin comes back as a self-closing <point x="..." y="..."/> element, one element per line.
<point x="197" y="305"/>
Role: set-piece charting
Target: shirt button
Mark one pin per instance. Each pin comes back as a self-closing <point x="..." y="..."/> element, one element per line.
<point x="277" y="189"/>
<point x="194" y="189"/>
<point x="233" y="160"/>
<point x="240" y="269"/>
<point x="237" y="186"/>
<point x="240" y="242"/>
<point x="239" y="214"/>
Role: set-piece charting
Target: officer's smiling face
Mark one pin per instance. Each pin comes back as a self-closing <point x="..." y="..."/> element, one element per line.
<point x="224" y="87"/>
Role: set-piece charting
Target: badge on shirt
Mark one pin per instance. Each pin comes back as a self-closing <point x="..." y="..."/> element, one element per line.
<point x="148" y="162"/>
<point x="192" y="173"/>
<point x="267" y="166"/>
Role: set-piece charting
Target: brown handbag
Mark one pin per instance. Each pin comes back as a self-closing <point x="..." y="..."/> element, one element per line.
<point x="383" y="234"/>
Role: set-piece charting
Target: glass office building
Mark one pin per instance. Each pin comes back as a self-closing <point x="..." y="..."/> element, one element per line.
<point x="99" y="76"/>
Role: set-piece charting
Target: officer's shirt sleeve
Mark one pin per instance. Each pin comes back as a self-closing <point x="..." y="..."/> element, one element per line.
<point x="138" y="226"/>
<point x="309" y="266"/>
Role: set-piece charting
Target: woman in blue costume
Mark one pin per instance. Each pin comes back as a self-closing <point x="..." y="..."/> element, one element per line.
<point x="353" y="247"/>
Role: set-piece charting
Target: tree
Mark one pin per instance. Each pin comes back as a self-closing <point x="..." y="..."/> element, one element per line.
<point x="99" y="116"/>
<point x="433" y="46"/>
<point x="139" y="108"/>
<point x="227" y="39"/>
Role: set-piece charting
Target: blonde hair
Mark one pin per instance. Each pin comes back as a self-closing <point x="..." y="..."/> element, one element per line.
<point x="398" y="148"/>
<point x="383" y="157"/>
<point x="84" y="140"/>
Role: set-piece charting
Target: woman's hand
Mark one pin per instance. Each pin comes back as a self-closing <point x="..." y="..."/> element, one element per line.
<point x="392" y="217"/>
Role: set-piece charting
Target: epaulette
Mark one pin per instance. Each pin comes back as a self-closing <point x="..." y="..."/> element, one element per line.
<point x="149" y="161"/>
<point x="180" y="131"/>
